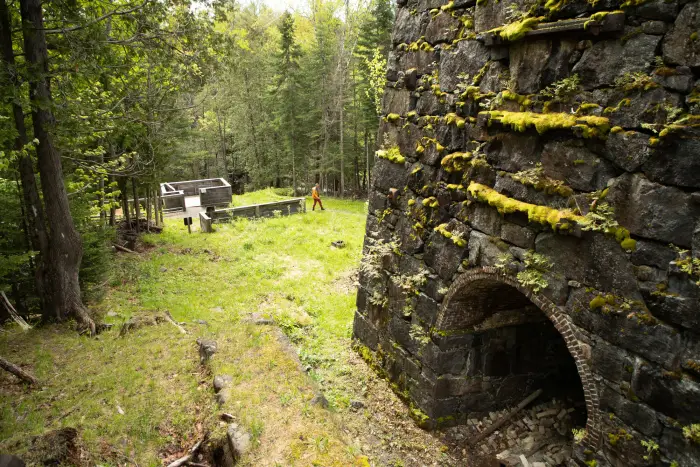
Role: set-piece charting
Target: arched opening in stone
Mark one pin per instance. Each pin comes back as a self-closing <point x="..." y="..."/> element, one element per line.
<point x="514" y="343"/>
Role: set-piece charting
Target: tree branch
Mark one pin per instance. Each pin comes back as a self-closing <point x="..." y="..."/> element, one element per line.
<point x="97" y="20"/>
<point x="18" y="372"/>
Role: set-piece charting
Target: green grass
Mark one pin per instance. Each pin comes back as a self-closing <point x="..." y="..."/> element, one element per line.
<point x="282" y="267"/>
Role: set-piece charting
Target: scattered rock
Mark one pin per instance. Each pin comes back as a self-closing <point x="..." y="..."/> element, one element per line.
<point x="142" y="320"/>
<point x="163" y="269"/>
<point x="338" y="244"/>
<point x="207" y="348"/>
<point x="320" y="400"/>
<point x="238" y="441"/>
<point x="356" y="405"/>
<point x="222" y="381"/>
<point x="201" y="321"/>
<point x="260" y="319"/>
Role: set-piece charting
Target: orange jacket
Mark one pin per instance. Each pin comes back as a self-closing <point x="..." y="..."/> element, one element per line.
<point x="314" y="193"/>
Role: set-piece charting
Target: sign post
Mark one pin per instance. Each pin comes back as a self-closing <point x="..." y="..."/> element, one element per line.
<point x="188" y="223"/>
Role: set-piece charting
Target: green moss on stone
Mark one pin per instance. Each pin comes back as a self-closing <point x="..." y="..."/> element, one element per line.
<point x="591" y="126"/>
<point x="456" y="162"/>
<point x="392" y="154"/>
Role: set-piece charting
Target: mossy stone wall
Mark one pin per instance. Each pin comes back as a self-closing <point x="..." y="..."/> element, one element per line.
<point x="549" y="151"/>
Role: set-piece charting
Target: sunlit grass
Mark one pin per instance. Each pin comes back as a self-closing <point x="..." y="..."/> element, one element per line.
<point x="282" y="267"/>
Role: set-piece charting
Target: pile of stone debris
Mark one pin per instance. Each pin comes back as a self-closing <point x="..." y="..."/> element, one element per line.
<point x="540" y="436"/>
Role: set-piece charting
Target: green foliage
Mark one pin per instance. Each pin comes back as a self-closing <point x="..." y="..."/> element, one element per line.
<point x="692" y="433"/>
<point x="636" y="81"/>
<point x="536" y="266"/>
<point x="579" y="434"/>
<point x="652" y="448"/>
<point x="536" y="178"/>
<point x="688" y="264"/>
<point x="563" y="90"/>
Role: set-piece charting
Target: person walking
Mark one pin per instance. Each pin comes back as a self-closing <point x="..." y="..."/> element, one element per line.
<point x="317" y="197"/>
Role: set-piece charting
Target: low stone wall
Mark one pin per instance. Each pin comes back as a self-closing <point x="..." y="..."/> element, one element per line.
<point x="174" y="200"/>
<point x="211" y="191"/>
<point x="205" y="223"/>
<point x="215" y="196"/>
<point x="284" y="208"/>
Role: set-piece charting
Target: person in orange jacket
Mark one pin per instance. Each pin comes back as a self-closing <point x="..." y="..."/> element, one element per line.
<point x="317" y="197"/>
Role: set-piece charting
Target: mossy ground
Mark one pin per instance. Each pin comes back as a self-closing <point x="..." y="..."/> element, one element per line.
<point x="282" y="267"/>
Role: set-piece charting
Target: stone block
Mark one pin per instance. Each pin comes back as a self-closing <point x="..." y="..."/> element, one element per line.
<point x="388" y="175"/>
<point x="635" y="414"/>
<point x="364" y="332"/>
<point x="674" y="395"/>
<point x="595" y="259"/>
<point x="676" y="162"/>
<point x="523" y="237"/>
<point x="485" y="250"/>
<point x="407" y="26"/>
<point x="609" y="59"/>
<point x="426" y="309"/>
<point x="627" y="149"/>
<point x="442" y="28"/>
<point x="678" y="47"/>
<point x="652" y="254"/>
<point x="661" y="10"/>
<point x="654" y="211"/>
<point x="444" y="361"/>
<point x="633" y="110"/>
<point x="452" y="386"/>
<point x="681" y="311"/>
<point x="676" y="447"/>
<point x="467" y="58"/>
<point x="485" y="218"/>
<point x="396" y="101"/>
<point x="513" y="152"/>
<point x="536" y="64"/>
<point x="659" y="343"/>
<point x="423" y="61"/>
<point x="443" y="254"/>
<point x="411" y="242"/>
<point x="580" y="168"/>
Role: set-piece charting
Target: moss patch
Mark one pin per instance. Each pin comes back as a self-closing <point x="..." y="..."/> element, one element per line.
<point x="591" y="126"/>
<point x="392" y="154"/>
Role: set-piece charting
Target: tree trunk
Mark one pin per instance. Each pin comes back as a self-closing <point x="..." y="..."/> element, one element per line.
<point x="148" y="208"/>
<point x="137" y="205"/>
<point x="126" y="214"/>
<point x="34" y="210"/>
<point x="101" y="194"/>
<point x="65" y="245"/>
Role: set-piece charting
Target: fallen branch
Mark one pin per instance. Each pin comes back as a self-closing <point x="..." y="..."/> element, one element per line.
<point x="169" y="317"/>
<point x="18" y="372"/>
<point x="184" y="460"/>
<point x="502" y="421"/>
<point x="13" y="313"/>
<point x="123" y="249"/>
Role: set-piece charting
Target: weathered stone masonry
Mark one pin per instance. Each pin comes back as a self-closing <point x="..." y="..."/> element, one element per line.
<point x="540" y="163"/>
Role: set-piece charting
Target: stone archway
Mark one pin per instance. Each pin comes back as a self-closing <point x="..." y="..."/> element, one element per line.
<point x="486" y="294"/>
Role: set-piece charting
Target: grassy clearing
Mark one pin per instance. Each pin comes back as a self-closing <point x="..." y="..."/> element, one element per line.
<point x="143" y="398"/>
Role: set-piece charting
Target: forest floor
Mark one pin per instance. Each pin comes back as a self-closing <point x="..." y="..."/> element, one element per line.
<point x="143" y="399"/>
